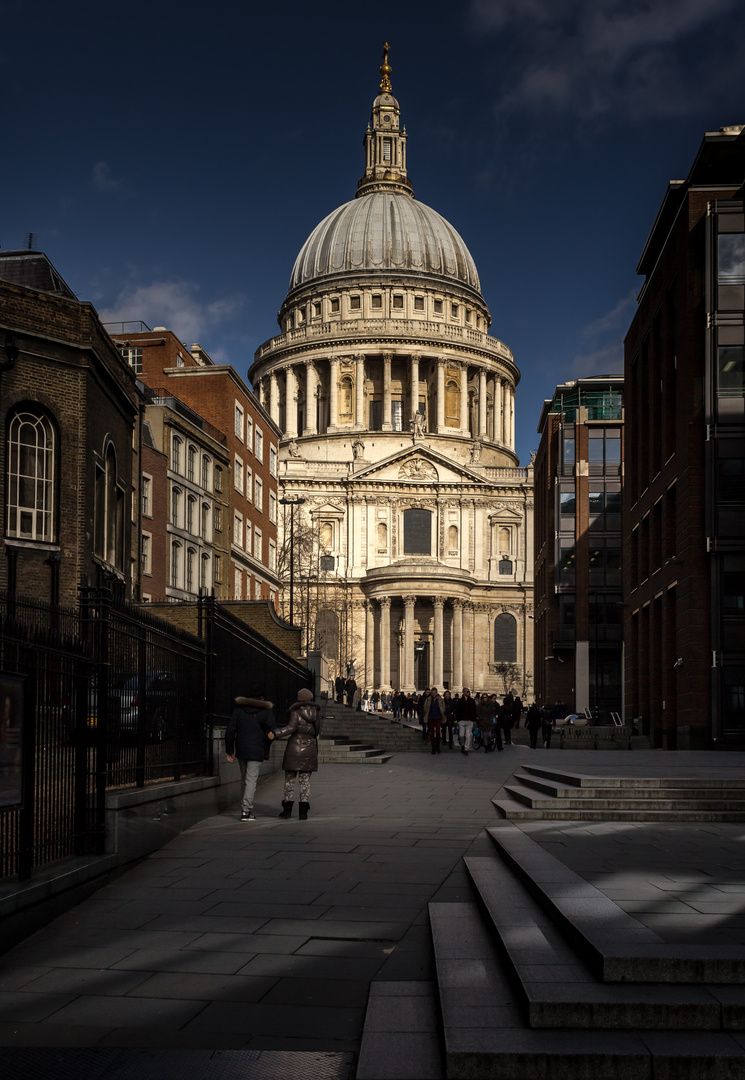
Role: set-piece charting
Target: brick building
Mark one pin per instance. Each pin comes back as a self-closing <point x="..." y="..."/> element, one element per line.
<point x="684" y="501"/>
<point x="250" y="439"/>
<point x="69" y="440"/>
<point x="578" y="600"/>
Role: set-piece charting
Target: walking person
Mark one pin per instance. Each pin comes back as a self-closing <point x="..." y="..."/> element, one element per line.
<point x="449" y="721"/>
<point x="301" y="756"/>
<point x="534" y="723"/>
<point x="505" y="720"/>
<point x="433" y="715"/>
<point x="466" y="716"/>
<point x="487" y="716"/>
<point x="547" y="725"/>
<point x="250" y="726"/>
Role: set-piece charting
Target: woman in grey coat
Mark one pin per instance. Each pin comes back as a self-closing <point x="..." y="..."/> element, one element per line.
<point x="301" y="755"/>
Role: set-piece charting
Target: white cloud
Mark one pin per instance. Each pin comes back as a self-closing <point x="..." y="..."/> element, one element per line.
<point x="174" y="304"/>
<point x="591" y="58"/>
<point x="102" y="178"/>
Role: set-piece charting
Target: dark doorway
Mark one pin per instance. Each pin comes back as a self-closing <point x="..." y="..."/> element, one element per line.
<point x="421" y="665"/>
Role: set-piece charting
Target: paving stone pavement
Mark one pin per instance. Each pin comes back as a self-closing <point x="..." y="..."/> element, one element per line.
<point x="266" y="936"/>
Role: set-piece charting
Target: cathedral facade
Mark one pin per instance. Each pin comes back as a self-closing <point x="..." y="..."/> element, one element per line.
<point x="397" y="409"/>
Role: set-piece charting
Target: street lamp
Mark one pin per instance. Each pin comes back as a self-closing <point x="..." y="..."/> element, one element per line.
<point x="292" y="503"/>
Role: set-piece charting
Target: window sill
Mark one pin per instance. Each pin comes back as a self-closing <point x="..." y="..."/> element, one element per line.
<point x="36" y="545"/>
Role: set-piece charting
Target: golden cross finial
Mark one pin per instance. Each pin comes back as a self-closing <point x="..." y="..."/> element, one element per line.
<point x="385" y="71"/>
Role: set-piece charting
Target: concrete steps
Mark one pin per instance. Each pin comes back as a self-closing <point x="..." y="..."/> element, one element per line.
<point x="558" y="795"/>
<point x="343" y="751"/>
<point x="339" y="721"/>
<point x="542" y="976"/>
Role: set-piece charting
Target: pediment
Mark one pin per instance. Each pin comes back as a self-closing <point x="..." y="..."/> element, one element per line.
<point x="419" y="465"/>
<point x="505" y="515"/>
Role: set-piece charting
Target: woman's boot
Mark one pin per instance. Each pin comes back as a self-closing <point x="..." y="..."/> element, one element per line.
<point x="304" y="807"/>
<point x="287" y="809"/>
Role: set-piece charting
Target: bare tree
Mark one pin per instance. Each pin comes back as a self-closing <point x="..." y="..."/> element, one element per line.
<point x="509" y="674"/>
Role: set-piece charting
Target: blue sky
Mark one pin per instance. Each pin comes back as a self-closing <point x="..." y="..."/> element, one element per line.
<point x="172" y="159"/>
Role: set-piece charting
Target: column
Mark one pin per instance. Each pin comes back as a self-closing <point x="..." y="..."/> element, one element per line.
<point x="408" y="682"/>
<point x="438" y="676"/>
<point x="414" y="403"/>
<point x="274" y="398"/>
<point x="457" y="646"/>
<point x="385" y="642"/>
<point x="440" y="396"/>
<point x="463" y="399"/>
<point x="369" y="646"/>
<point x="387" y="422"/>
<point x="359" y="386"/>
<point x="333" y="393"/>
<point x="505" y="413"/>
<point x="482" y="403"/>
<point x="311" y="427"/>
<point x="497" y="410"/>
<point x="290" y="403"/>
<point x="512" y="419"/>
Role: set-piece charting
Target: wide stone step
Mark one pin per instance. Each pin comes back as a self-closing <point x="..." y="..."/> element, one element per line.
<point x="614" y="945"/>
<point x="606" y="801"/>
<point x="585" y="780"/>
<point x="673" y="791"/>
<point x="486" y="1036"/>
<point x="558" y="990"/>
<point x="510" y="808"/>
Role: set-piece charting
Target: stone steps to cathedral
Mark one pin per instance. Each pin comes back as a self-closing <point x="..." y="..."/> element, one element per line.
<point x="543" y="976"/>
<point x="343" y="751"/>
<point x="559" y="795"/>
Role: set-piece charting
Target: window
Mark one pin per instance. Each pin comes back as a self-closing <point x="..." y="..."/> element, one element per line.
<point x="249" y="483"/>
<point x="272" y="507"/>
<point x="237" y="584"/>
<point x="335" y="304"/>
<point x="417" y="532"/>
<point x="327" y="534"/>
<point x="327" y="563"/>
<point x="258" y="551"/>
<point x="176" y="454"/>
<point x="176" y="507"/>
<point x="133" y="356"/>
<point x="204" y="573"/>
<point x="397" y="415"/>
<point x="418" y="303"/>
<point x="258" y="494"/>
<point x="259" y="444"/>
<point x="567" y="508"/>
<point x="249" y="434"/>
<point x="567" y="558"/>
<point x="31" y="477"/>
<point x="179" y="360"/>
<point x="376" y="301"/>
<point x="505" y="639"/>
<point x="238" y="483"/>
<point x="248" y="536"/>
<point x="316" y="310"/>
<point x="217" y="566"/>
<point x="454" y="309"/>
<point x="146" y="553"/>
<point x="732" y="369"/>
<point x="218" y="478"/>
<point x="376" y="416"/>
<point x="272" y="555"/>
<point x="387" y="143"/>
<point x="382" y="536"/>
<point x="505" y="567"/>
<point x="438" y="307"/>
<point x="191" y="464"/>
<point x="239" y="421"/>
<point x="175" y="564"/>
<point x="218" y="519"/>
<point x="238" y="529"/>
<point x="190" y="560"/>
<point x="205" y="472"/>
<point x="569" y="448"/>
<point x="273" y="460"/>
<point x="257" y="590"/>
<point x="453" y="538"/>
<point x="205" y="523"/>
<point x="147" y="494"/>
<point x="191" y="506"/>
<point x="398" y="300"/>
<point x="354" y="303"/>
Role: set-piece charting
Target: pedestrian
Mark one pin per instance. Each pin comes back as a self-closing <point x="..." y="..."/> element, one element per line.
<point x="487" y="712"/>
<point x="547" y="725"/>
<point x="339" y="687"/>
<point x="301" y="755"/>
<point x="247" y="738"/>
<point x="466" y="716"/>
<point x="433" y="715"/>
<point x="449" y="721"/>
<point x="397" y="703"/>
<point x="534" y="723"/>
<point x="351" y="688"/>
<point x="505" y="720"/>
<point x="365" y="701"/>
<point x="517" y="711"/>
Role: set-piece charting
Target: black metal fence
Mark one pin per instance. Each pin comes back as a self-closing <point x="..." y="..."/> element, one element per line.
<point x="107" y="696"/>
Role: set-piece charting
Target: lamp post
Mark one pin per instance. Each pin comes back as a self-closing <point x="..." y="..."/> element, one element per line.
<point x="292" y="503"/>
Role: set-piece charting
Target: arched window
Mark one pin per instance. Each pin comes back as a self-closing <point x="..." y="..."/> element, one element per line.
<point x="175" y="564"/>
<point x="176" y="507"/>
<point x="453" y="538"/>
<point x="176" y="454"/>
<point x="191" y="556"/>
<point x="452" y="404"/>
<point x="205" y="522"/>
<point x="417" y="532"/>
<point x="382" y="534"/>
<point x="204" y="573"/>
<point x="504" y="541"/>
<point x="327" y="534"/>
<point x="505" y="639"/>
<point x="191" y="506"/>
<point x="191" y="463"/>
<point x="205" y="472"/>
<point x="346" y="401"/>
<point x="31" y="477"/>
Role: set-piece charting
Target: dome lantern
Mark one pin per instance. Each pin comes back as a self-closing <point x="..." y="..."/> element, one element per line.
<point x="384" y="142"/>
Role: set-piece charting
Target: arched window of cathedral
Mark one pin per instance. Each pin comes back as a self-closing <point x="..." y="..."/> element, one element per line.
<point x="505" y="546"/>
<point x="505" y="639"/>
<point x="327" y="535"/>
<point x="452" y="404"/>
<point x="417" y="532"/>
<point x="346" y="401"/>
<point x="453" y="538"/>
<point x="31" y="477"/>
<point x="472" y="414"/>
<point x="382" y="536"/>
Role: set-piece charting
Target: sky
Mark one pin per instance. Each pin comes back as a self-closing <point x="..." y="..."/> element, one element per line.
<point x="171" y="159"/>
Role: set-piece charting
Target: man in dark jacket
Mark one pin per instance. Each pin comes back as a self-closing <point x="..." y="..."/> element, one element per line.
<point x="466" y="715"/>
<point x="245" y="738"/>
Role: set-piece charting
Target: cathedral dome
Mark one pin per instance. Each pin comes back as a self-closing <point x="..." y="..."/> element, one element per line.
<point x="385" y="230"/>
